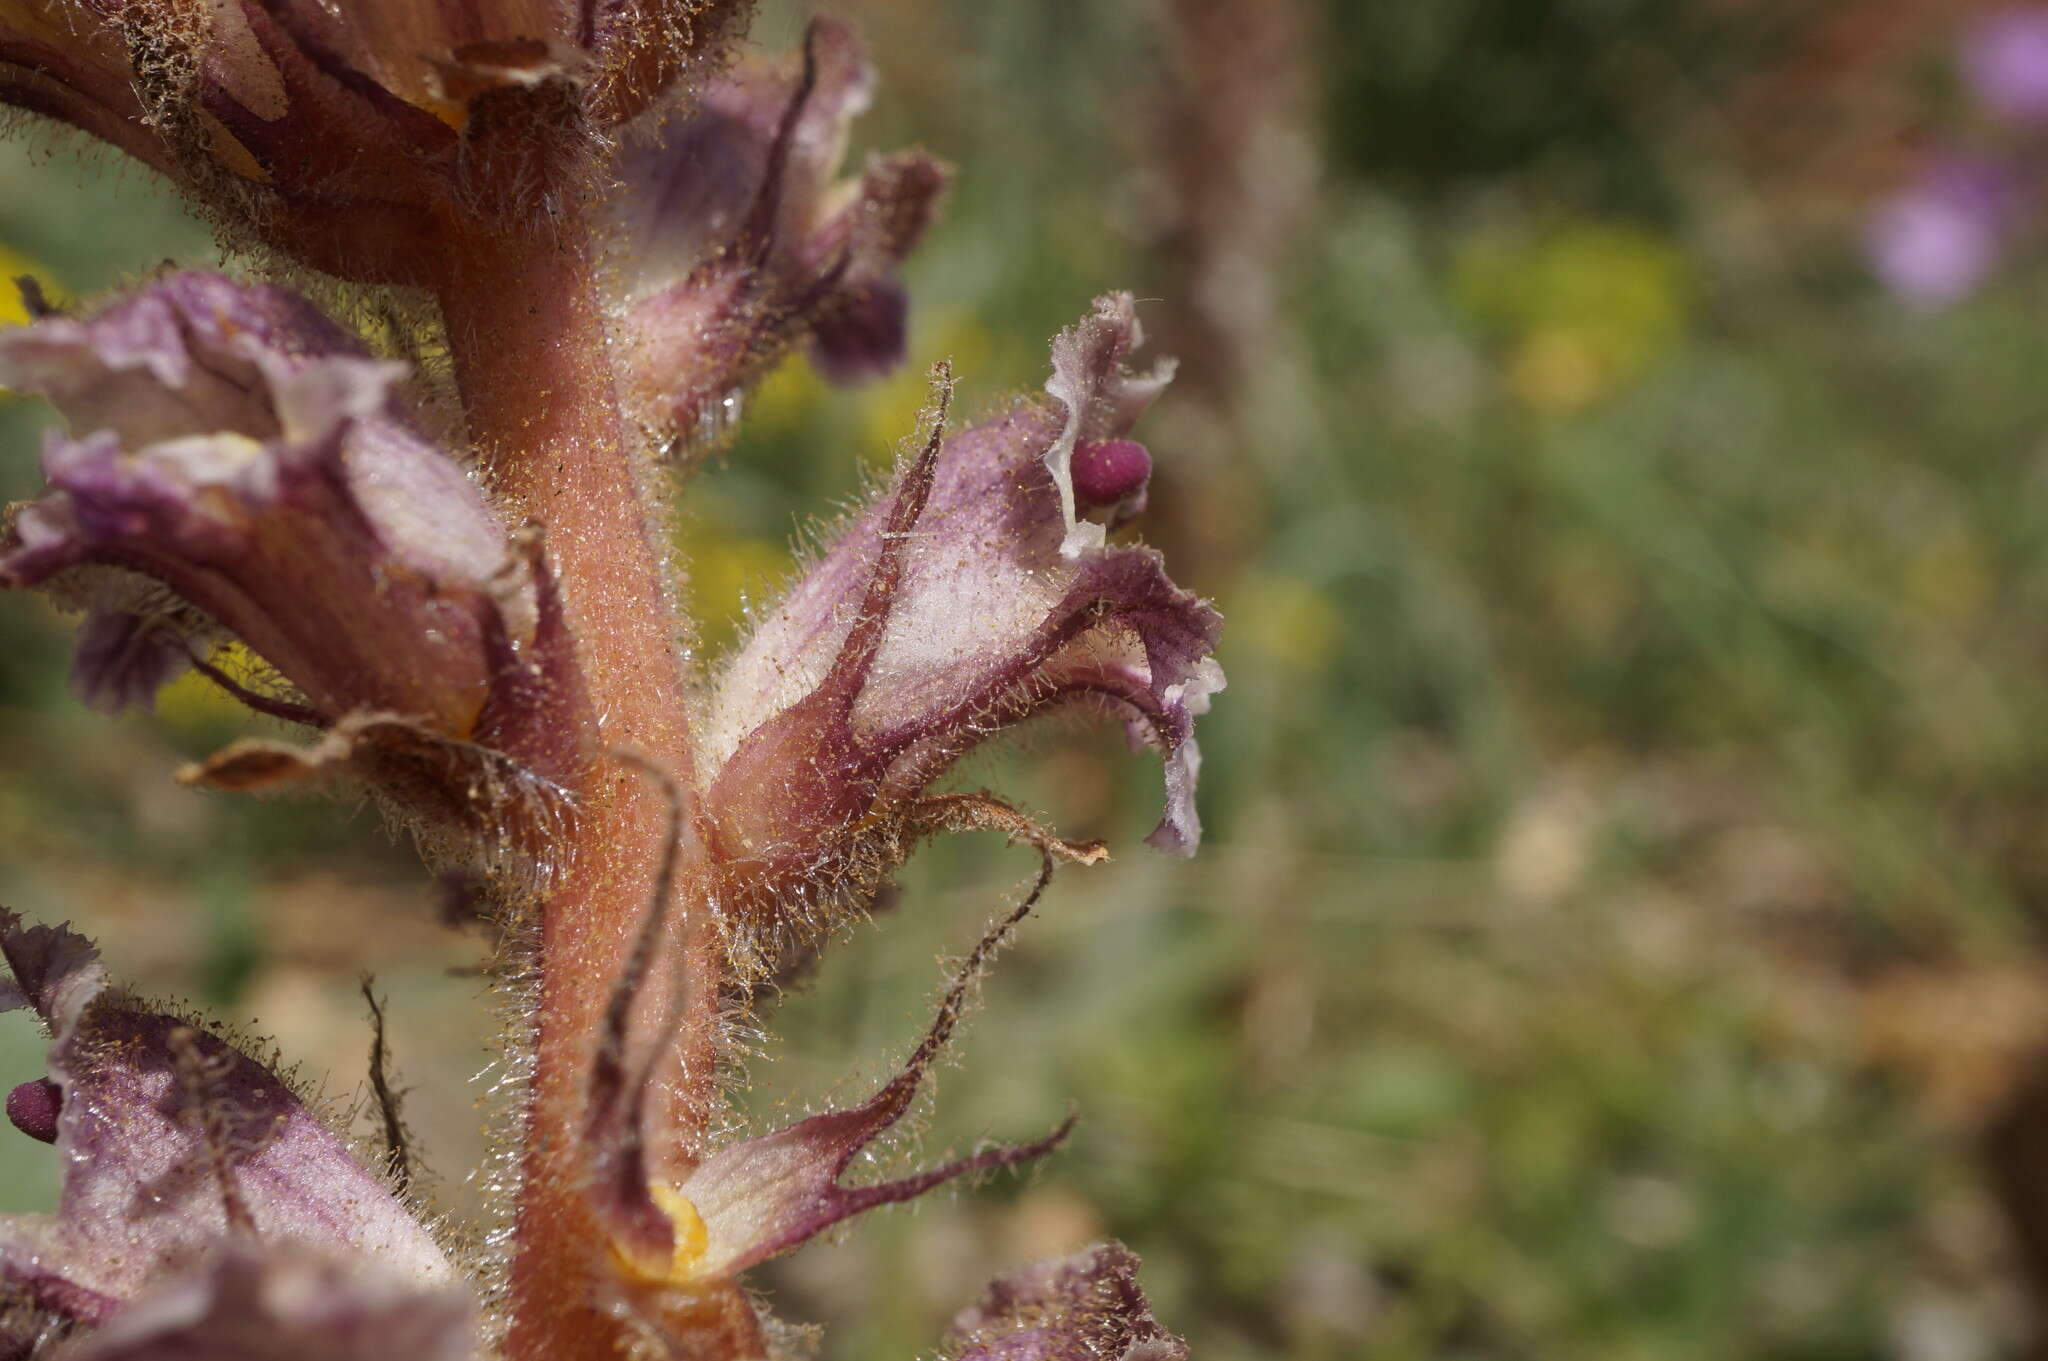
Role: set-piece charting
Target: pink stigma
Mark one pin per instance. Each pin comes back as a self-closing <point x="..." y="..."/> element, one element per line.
<point x="33" y="1106"/>
<point x="1106" y="471"/>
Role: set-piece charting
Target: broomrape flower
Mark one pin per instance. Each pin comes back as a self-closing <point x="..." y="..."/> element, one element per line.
<point x="978" y="591"/>
<point x="240" y="469"/>
<point x="205" y="1209"/>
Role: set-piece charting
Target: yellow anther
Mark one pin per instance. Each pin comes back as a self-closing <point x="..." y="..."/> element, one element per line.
<point x="692" y="1238"/>
<point x="687" y="1231"/>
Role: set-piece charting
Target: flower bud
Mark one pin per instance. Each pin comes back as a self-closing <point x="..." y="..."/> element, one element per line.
<point x="737" y="243"/>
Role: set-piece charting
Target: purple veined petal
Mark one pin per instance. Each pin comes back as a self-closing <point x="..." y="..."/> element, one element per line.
<point x="122" y="659"/>
<point x="238" y="448"/>
<point x="864" y="336"/>
<point x="142" y="1197"/>
<point x="1934" y="242"/>
<point x="968" y="598"/>
<point x="180" y="355"/>
<point x="1087" y="1307"/>
<point x="265" y="1303"/>
<point x="689" y="184"/>
<point x="2004" y="62"/>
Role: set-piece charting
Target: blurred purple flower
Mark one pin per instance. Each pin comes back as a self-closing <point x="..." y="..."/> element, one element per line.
<point x="1933" y="242"/>
<point x="2004" y="62"/>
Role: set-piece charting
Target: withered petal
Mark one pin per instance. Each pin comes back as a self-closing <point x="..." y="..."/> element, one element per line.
<point x="1087" y="1307"/>
<point x="465" y="801"/>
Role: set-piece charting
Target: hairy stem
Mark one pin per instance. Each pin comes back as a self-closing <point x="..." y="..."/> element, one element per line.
<point x="528" y="337"/>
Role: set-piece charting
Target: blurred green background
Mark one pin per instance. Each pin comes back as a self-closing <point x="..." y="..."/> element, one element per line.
<point x="1619" y="929"/>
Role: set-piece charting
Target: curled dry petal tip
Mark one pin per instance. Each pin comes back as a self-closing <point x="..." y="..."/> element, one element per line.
<point x="169" y="1137"/>
<point x="1087" y="1307"/>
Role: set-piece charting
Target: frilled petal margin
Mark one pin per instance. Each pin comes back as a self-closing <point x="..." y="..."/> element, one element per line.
<point x="741" y="243"/>
<point x="969" y="597"/>
<point x="1087" y="1307"/>
<point x="174" y="1145"/>
<point x="760" y="1197"/>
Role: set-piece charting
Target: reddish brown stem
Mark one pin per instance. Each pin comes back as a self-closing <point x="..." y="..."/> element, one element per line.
<point x="527" y="334"/>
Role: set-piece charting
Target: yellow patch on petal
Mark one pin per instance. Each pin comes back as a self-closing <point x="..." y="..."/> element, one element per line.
<point x="687" y="1231"/>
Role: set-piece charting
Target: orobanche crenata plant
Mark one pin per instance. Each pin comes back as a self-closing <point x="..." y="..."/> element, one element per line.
<point x="572" y="235"/>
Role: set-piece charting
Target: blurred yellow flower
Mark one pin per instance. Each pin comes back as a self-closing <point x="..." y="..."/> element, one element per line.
<point x="13" y="264"/>
<point x="1286" y="618"/>
<point x="1587" y="308"/>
